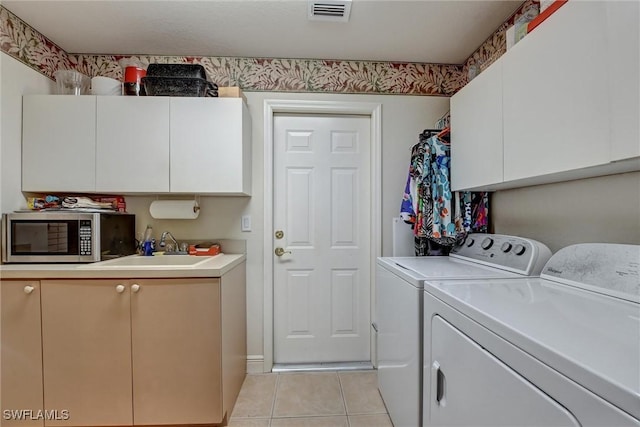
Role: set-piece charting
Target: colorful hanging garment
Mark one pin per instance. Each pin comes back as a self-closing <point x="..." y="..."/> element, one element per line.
<point x="474" y="210"/>
<point x="439" y="217"/>
<point x="410" y="201"/>
<point x="442" y="227"/>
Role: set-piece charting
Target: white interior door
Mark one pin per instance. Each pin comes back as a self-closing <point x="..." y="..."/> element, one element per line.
<point x="322" y="200"/>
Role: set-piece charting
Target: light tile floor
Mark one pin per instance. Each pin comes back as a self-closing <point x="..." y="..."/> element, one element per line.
<point x="314" y="399"/>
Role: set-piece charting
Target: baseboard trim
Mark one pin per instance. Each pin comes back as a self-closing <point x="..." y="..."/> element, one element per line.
<point x="255" y="364"/>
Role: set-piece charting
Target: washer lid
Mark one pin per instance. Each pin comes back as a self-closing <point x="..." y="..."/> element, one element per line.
<point x="593" y="339"/>
<point x="444" y="267"/>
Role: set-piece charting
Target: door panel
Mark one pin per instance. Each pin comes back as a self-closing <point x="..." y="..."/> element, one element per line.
<point x="86" y="343"/>
<point x="21" y="351"/>
<point x="176" y="352"/>
<point x="476" y="388"/>
<point x="321" y="200"/>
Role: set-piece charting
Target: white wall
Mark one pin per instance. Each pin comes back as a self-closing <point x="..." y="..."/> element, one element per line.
<point x="16" y="79"/>
<point x="403" y="118"/>
<point x="604" y="209"/>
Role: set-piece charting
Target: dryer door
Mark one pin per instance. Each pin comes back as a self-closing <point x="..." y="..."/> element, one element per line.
<point x="469" y="386"/>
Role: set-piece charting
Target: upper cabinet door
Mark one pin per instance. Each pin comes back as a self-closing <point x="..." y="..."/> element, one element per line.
<point x="476" y="131"/>
<point x="132" y="149"/>
<point x="210" y="146"/>
<point x="556" y="103"/>
<point x="623" y="23"/>
<point x="58" y="143"/>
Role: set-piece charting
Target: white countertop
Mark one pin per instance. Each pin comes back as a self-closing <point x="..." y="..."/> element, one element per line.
<point x="215" y="266"/>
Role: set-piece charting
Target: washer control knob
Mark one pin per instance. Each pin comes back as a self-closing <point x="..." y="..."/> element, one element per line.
<point x="470" y="242"/>
<point x="487" y="243"/>
<point x="520" y="249"/>
<point x="506" y="247"/>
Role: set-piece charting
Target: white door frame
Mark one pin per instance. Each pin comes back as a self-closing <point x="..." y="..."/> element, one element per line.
<point x="272" y="106"/>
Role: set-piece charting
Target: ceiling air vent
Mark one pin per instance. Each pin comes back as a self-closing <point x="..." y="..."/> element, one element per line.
<point x="329" y="10"/>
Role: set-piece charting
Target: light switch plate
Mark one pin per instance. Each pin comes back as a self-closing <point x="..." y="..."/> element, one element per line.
<point x="246" y="223"/>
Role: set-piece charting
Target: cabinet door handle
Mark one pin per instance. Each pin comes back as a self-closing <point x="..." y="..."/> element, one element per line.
<point x="135" y="287"/>
<point x="28" y="289"/>
<point x="120" y="289"/>
<point x="437" y="377"/>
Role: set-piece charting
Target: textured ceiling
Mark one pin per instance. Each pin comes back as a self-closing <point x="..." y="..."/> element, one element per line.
<point x="385" y="30"/>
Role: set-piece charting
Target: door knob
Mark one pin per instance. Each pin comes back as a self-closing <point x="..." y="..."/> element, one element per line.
<point x="280" y="252"/>
<point x="120" y="289"/>
<point x="135" y="287"/>
<point x="28" y="289"/>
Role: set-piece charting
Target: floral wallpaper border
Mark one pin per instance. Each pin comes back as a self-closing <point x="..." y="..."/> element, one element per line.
<point x="27" y="45"/>
<point x="496" y="45"/>
<point x="300" y="75"/>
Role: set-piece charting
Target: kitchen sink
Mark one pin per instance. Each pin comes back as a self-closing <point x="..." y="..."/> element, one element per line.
<point x="138" y="261"/>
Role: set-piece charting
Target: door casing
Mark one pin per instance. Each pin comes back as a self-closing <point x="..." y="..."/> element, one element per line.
<point x="272" y="106"/>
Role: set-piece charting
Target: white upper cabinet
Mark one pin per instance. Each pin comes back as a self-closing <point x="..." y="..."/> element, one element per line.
<point x="210" y="146"/>
<point x="623" y="62"/>
<point x="476" y="131"/>
<point x="58" y="143"/>
<point x="132" y="144"/>
<point x="136" y="145"/>
<point x="556" y="96"/>
<point x="564" y="103"/>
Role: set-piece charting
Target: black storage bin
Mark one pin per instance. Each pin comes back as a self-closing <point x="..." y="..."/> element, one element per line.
<point x="177" y="70"/>
<point x="178" y="86"/>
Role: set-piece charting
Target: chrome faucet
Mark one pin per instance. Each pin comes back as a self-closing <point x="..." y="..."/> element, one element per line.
<point x="164" y="236"/>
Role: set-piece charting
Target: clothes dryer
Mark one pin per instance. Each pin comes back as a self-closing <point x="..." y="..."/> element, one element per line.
<point x="559" y="350"/>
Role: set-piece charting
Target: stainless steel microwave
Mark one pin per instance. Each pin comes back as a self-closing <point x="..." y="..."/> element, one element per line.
<point x="71" y="237"/>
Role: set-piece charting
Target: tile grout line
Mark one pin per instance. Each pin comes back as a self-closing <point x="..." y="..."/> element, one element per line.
<point x="344" y="400"/>
<point x="275" y="396"/>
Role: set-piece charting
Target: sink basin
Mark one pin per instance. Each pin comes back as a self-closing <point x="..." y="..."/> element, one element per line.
<point x="137" y="261"/>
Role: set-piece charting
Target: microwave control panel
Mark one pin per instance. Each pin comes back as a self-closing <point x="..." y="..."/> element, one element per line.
<point x="85" y="237"/>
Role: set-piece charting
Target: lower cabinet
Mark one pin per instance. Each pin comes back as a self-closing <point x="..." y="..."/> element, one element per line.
<point x="86" y="343"/>
<point x="124" y="352"/>
<point x="21" y="353"/>
<point x="175" y="343"/>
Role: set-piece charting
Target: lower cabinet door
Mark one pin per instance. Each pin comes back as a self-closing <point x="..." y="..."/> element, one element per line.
<point x="176" y="345"/>
<point x="86" y="346"/>
<point x="469" y="386"/>
<point x="21" y="354"/>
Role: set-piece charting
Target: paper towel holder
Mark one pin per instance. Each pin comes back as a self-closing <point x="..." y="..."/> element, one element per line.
<point x="175" y="209"/>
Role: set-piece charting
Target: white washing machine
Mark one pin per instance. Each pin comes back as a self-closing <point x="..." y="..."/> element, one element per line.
<point x="559" y="350"/>
<point x="399" y="308"/>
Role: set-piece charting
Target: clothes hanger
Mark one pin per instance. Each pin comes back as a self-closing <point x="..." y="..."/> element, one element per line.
<point x="444" y="132"/>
